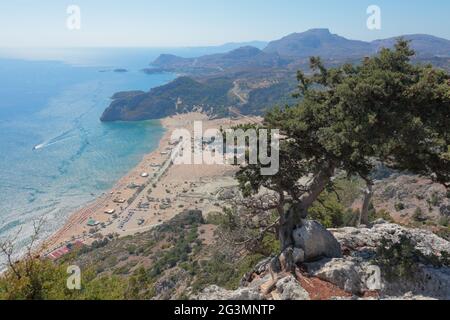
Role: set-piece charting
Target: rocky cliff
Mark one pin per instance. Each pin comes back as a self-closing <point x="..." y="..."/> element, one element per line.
<point x="386" y="261"/>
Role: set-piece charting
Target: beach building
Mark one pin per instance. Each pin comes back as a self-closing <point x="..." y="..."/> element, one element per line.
<point x="92" y="223"/>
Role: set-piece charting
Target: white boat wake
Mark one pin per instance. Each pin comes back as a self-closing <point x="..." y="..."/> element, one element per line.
<point x="61" y="138"/>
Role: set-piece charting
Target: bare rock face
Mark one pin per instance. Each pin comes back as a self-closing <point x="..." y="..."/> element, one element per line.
<point x="289" y="288"/>
<point x="356" y="276"/>
<point x="428" y="281"/>
<point x="298" y="255"/>
<point x="403" y="195"/>
<point x="357" y="273"/>
<point x="316" y="242"/>
<point x="365" y="239"/>
<point x="445" y="210"/>
<point x="220" y="294"/>
<point x="347" y="274"/>
<point x="286" y="288"/>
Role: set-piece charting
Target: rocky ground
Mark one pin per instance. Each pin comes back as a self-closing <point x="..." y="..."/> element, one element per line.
<point x="386" y="261"/>
<point x="412" y="198"/>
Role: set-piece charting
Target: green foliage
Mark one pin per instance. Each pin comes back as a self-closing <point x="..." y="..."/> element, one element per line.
<point x="348" y="189"/>
<point x="130" y="267"/>
<point x="384" y="111"/>
<point x="400" y="206"/>
<point x="329" y="212"/>
<point x="331" y="209"/>
<point x="444" y="221"/>
<point x="42" y="281"/>
<point x="399" y="259"/>
<point x="179" y="253"/>
<point x="216" y="218"/>
<point x="435" y="200"/>
<point x="270" y="245"/>
<point x="263" y="99"/>
<point x="140" y="285"/>
<point x="162" y="101"/>
<point x="131" y="248"/>
<point x="382" y="214"/>
<point x="221" y="272"/>
<point x="418" y="215"/>
<point x="46" y="280"/>
<point x="103" y="288"/>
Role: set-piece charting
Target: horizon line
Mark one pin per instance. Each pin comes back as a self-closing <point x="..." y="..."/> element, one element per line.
<point x="218" y="44"/>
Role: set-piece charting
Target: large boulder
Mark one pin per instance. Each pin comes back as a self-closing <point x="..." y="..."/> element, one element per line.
<point x="316" y="242"/>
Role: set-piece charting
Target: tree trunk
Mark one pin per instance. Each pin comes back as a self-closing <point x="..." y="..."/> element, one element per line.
<point x="368" y="194"/>
<point x="291" y="219"/>
<point x="287" y="225"/>
<point x="316" y="187"/>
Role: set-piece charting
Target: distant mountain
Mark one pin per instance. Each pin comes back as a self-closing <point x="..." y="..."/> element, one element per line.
<point x="297" y="47"/>
<point x="181" y="95"/>
<point x="424" y="45"/>
<point x="213" y="96"/>
<point x="321" y="42"/>
<point x="170" y="60"/>
<point x="232" y="46"/>
<point x="166" y="59"/>
<point x="244" y="58"/>
<point x="318" y="42"/>
<point x="254" y="80"/>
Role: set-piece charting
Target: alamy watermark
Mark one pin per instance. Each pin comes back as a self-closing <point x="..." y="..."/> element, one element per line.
<point x="74" y="280"/>
<point x="373" y="281"/>
<point x="73" y="21"/>
<point x="231" y="146"/>
<point x="374" y="19"/>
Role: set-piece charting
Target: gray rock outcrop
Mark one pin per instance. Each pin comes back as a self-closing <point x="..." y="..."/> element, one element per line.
<point x="356" y="272"/>
<point x="220" y="294"/>
<point x="316" y="242"/>
<point x="289" y="288"/>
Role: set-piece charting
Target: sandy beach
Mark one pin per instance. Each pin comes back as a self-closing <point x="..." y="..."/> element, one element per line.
<point x="151" y="193"/>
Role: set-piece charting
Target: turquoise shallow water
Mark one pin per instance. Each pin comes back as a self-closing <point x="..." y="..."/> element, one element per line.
<point x="56" y="107"/>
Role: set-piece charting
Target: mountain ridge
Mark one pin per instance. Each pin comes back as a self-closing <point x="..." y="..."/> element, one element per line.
<point x="260" y="79"/>
<point x="323" y="43"/>
<point x="316" y="42"/>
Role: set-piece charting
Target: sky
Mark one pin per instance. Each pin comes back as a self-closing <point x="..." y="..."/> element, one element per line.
<point x="177" y="23"/>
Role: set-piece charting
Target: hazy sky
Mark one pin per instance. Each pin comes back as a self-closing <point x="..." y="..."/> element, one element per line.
<point x="157" y="23"/>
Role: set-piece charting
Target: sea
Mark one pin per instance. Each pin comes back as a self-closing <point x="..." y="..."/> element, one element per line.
<point x="55" y="154"/>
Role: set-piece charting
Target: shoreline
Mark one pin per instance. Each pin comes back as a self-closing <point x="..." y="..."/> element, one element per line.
<point x="150" y="194"/>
